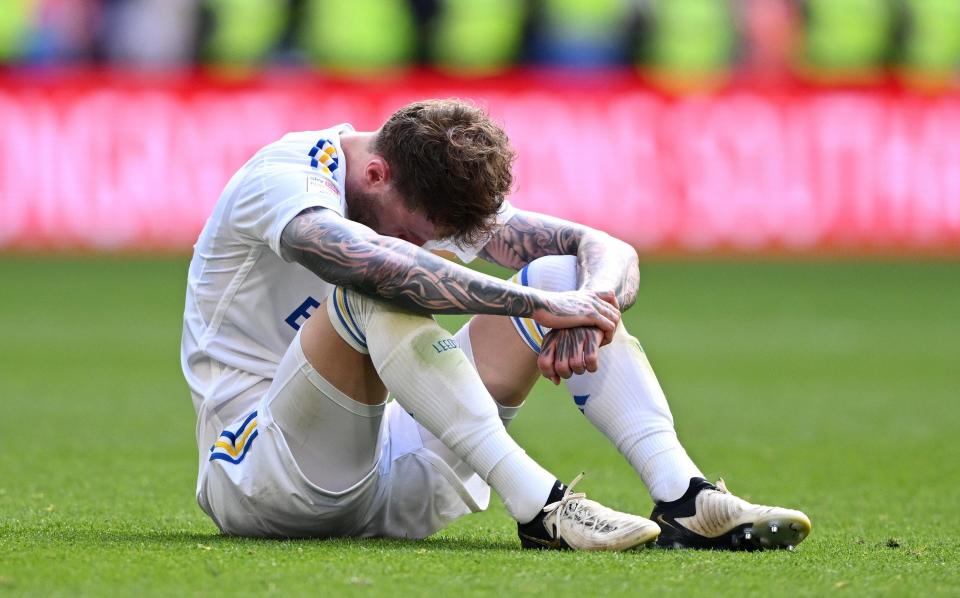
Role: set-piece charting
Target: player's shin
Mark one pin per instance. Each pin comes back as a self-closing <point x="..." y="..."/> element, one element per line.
<point x="432" y="379"/>
<point x="623" y="399"/>
<point x="507" y="413"/>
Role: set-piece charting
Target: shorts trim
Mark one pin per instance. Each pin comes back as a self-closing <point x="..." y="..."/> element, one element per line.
<point x="233" y="447"/>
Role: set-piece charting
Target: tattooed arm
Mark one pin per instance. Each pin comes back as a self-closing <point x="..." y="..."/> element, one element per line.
<point x="353" y="256"/>
<point x="606" y="265"/>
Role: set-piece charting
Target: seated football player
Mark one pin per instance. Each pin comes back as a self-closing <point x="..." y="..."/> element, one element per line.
<point x="310" y="298"/>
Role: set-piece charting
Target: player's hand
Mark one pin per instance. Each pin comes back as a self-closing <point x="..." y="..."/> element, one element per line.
<point x="569" y="351"/>
<point x="579" y="308"/>
<point x="611" y="298"/>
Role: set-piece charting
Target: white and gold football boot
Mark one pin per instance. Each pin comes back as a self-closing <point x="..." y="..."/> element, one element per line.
<point x="708" y="516"/>
<point x="570" y="521"/>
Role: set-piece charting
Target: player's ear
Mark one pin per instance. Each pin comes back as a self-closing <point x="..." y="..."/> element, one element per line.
<point x="377" y="172"/>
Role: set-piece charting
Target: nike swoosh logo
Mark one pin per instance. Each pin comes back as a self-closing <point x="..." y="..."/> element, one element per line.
<point x="541" y="542"/>
<point x="663" y="521"/>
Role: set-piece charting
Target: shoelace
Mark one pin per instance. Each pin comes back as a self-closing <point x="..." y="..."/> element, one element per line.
<point x="721" y="486"/>
<point x="581" y="512"/>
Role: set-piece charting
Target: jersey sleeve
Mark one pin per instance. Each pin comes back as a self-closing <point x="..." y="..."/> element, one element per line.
<point x="275" y="193"/>
<point x="467" y="253"/>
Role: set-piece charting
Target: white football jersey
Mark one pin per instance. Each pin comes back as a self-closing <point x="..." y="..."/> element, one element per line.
<point x="245" y="303"/>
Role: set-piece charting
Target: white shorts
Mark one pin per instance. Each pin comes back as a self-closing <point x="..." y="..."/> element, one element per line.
<point x="251" y="484"/>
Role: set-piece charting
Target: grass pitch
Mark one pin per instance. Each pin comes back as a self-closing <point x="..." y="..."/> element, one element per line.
<point x="833" y="388"/>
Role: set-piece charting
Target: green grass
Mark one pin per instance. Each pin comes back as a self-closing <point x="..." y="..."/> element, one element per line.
<point x="834" y="388"/>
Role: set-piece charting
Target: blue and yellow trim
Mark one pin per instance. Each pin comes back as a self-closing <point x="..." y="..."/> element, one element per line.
<point x="342" y="308"/>
<point x="531" y="332"/>
<point x="233" y="447"/>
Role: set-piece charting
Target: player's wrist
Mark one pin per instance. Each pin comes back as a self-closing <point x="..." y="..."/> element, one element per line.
<point x="537" y="303"/>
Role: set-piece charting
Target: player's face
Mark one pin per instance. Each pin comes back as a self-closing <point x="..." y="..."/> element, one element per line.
<point x="402" y="223"/>
<point x="374" y="202"/>
<point x="387" y="214"/>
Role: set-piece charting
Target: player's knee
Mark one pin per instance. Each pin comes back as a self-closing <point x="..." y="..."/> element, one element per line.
<point x="550" y="273"/>
<point x="356" y="318"/>
<point x="348" y="311"/>
<point x="557" y="273"/>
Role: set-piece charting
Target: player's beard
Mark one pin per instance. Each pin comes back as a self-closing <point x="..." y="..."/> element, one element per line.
<point x="362" y="208"/>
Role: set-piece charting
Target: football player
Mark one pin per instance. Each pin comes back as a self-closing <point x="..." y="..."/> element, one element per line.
<point x="310" y="297"/>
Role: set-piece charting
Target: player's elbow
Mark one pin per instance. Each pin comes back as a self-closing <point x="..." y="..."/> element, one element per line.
<point x="634" y="269"/>
<point x="632" y="275"/>
<point x="630" y="258"/>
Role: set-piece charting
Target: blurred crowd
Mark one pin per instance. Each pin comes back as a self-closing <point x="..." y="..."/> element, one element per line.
<point x="699" y="40"/>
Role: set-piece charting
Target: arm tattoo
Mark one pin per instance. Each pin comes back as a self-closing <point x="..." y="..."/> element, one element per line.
<point x="606" y="264"/>
<point x="609" y="264"/>
<point x="528" y="236"/>
<point x="352" y="256"/>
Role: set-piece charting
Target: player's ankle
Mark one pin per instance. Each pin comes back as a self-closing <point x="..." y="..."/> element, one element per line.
<point x="556" y="493"/>
<point x="694" y="487"/>
<point x="522" y="484"/>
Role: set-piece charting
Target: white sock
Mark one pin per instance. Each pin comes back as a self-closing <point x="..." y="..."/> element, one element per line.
<point x="508" y="414"/>
<point x="462" y="337"/>
<point x="433" y="380"/>
<point x="623" y="398"/>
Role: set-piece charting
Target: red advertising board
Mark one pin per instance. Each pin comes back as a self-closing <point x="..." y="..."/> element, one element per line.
<point x="106" y="161"/>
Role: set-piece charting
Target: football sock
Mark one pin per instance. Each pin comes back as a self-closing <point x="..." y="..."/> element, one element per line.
<point x="508" y="414"/>
<point x="623" y="398"/>
<point x="462" y="338"/>
<point x="433" y="380"/>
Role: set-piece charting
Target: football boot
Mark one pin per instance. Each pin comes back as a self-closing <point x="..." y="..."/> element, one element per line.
<point x="570" y="521"/>
<point x="709" y="516"/>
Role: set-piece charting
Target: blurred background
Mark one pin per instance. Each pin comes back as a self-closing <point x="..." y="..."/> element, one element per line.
<point x="683" y="126"/>
<point x="840" y="40"/>
<point x="789" y="171"/>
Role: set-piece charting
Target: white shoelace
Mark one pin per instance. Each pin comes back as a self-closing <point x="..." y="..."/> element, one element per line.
<point x="581" y="512"/>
